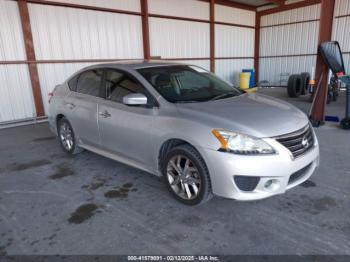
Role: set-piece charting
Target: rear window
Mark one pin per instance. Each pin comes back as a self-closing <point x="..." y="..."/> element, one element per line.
<point x="72" y="84"/>
<point x="89" y="82"/>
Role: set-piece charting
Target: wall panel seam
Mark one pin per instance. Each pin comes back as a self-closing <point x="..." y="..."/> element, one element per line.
<point x="291" y="23"/>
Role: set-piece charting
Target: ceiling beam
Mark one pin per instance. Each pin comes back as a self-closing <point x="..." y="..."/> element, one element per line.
<point x="232" y="4"/>
<point x="277" y="2"/>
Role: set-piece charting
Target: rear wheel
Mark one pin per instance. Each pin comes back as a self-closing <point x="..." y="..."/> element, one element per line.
<point x="67" y="137"/>
<point x="186" y="175"/>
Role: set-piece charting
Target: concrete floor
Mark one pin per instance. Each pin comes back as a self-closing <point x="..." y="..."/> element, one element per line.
<point x="51" y="203"/>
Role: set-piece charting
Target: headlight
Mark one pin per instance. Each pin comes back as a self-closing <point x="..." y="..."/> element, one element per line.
<point x="242" y="144"/>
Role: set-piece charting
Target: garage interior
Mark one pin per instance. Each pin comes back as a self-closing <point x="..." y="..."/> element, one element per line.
<point x="52" y="203"/>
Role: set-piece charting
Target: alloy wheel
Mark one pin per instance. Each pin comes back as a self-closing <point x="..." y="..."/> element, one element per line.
<point x="66" y="136"/>
<point x="183" y="177"/>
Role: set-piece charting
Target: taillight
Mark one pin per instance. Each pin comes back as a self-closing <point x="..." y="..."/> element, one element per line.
<point x="50" y="96"/>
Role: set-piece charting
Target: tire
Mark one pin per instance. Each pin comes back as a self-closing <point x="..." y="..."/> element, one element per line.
<point x="294" y="86"/>
<point x="178" y="189"/>
<point x="305" y="78"/>
<point x="335" y="96"/>
<point x="63" y="128"/>
<point x="329" y="97"/>
<point x="345" y="123"/>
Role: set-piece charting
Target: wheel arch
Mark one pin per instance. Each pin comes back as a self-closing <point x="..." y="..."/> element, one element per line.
<point x="169" y="144"/>
<point x="59" y="117"/>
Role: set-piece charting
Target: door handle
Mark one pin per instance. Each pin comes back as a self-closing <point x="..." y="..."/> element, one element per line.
<point x="70" y="105"/>
<point x="105" y="114"/>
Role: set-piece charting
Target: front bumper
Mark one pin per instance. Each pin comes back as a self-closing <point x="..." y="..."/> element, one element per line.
<point x="280" y="167"/>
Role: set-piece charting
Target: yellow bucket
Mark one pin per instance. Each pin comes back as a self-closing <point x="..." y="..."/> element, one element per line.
<point x="244" y="79"/>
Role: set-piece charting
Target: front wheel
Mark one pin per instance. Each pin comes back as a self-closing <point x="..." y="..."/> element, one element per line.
<point x="186" y="175"/>
<point x="67" y="137"/>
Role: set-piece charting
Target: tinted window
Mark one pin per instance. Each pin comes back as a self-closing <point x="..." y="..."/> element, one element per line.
<point x="119" y="85"/>
<point x="89" y="82"/>
<point x="187" y="84"/>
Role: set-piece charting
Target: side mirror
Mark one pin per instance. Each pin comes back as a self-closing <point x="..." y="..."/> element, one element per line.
<point x="135" y="99"/>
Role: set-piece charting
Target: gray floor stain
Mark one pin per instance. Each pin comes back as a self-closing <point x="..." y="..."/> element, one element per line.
<point x="191" y="221"/>
<point x="61" y="172"/>
<point x="82" y="213"/>
<point x="116" y="194"/>
<point x="306" y="203"/>
<point x="127" y="185"/>
<point x="324" y="203"/>
<point x="97" y="183"/>
<point x="316" y="205"/>
<point x="28" y="165"/>
<point x="3" y="247"/>
<point x="120" y="192"/>
<point x="47" y="138"/>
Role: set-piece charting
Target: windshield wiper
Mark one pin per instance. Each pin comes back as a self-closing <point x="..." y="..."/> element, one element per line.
<point x="229" y="94"/>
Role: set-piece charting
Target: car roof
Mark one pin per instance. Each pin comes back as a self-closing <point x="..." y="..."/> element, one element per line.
<point x="137" y="64"/>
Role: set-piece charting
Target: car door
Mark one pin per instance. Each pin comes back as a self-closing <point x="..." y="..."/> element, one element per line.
<point x="125" y="130"/>
<point x="82" y="106"/>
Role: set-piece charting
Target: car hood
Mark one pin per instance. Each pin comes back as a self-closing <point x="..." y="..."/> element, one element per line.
<point x="252" y="114"/>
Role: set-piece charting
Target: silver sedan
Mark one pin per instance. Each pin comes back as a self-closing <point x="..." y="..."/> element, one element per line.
<point x="181" y="122"/>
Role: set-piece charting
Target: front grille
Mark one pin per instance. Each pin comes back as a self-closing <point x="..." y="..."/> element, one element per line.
<point x="300" y="173"/>
<point x="298" y="142"/>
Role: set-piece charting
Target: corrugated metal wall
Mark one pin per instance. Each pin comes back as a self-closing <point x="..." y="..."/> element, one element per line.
<point x="180" y="8"/>
<point x="61" y="33"/>
<point x="171" y="38"/>
<point x="288" y="42"/>
<point x="341" y="29"/>
<point x="234" y="45"/>
<point x="232" y="41"/>
<point x="234" y="15"/>
<point x="178" y="39"/>
<point x="68" y="33"/>
<point x="16" y="99"/>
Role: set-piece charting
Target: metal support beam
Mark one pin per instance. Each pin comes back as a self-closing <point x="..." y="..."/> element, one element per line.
<point x="325" y="34"/>
<point x="29" y="47"/>
<point x="145" y="29"/>
<point x="235" y="4"/>
<point x="295" y="5"/>
<point x="212" y="36"/>
<point x="257" y="47"/>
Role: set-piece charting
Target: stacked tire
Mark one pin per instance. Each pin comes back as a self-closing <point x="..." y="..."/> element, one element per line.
<point x="298" y="84"/>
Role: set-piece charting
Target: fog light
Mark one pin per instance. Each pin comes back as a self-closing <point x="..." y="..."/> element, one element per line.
<point x="272" y="184"/>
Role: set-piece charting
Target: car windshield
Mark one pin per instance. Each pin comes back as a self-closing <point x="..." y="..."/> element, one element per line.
<point x="186" y="84"/>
